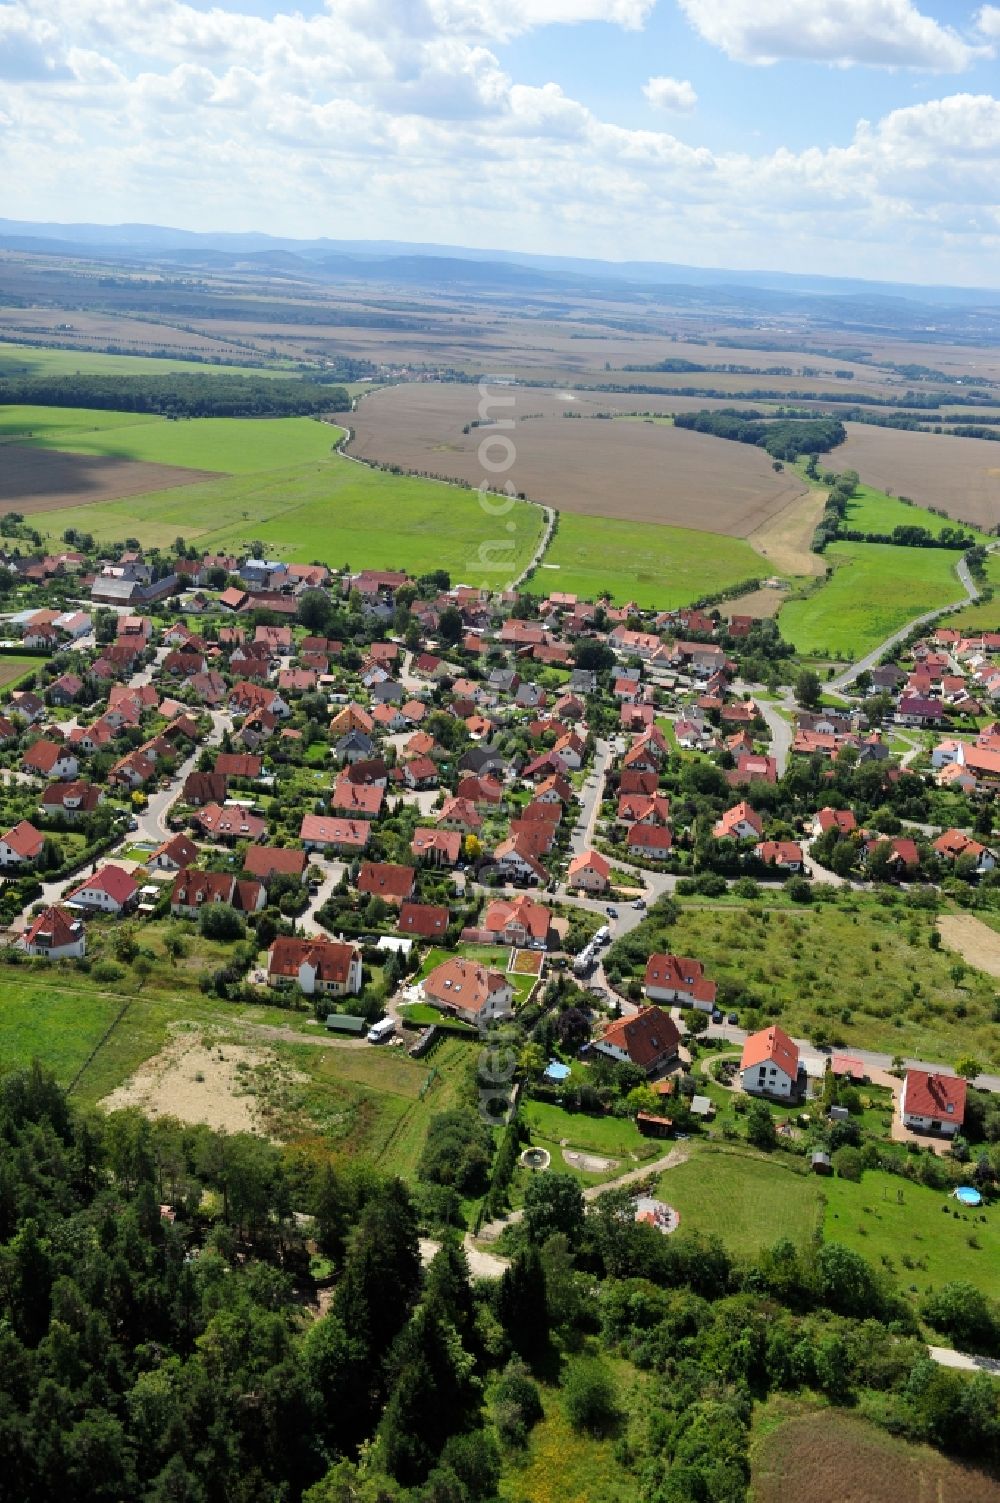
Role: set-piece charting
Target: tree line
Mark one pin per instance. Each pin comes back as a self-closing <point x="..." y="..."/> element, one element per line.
<point x="782" y="438"/>
<point x="179" y="394"/>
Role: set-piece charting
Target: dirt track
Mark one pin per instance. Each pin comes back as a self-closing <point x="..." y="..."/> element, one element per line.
<point x="633" y="470"/>
<point x="36" y="480"/>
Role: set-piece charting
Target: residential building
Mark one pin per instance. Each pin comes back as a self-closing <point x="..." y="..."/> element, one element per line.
<point x="678" y="978"/>
<point x="648" y="1039"/>
<point x="769" y="1065"/>
<point x="54" y="935"/>
<point x="933" y="1103"/>
<point x="469" y="991"/>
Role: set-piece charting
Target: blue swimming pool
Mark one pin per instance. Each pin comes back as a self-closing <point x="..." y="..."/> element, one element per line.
<point x="968" y="1196"/>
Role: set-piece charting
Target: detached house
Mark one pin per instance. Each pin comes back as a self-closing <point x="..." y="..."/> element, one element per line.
<point x="318" y="967"/>
<point x="590" y="872"/>
<point x="469" y="991"/>
<point x="649" y="1039"/>
<point x="21" y="845"/>
<point x="678" y="978"/>
<point x="49" y="759"/>
<point x="741" y="822"/>
<point x="933" y="1103"/>
<point x="194" y="890"/>
<point x="769" y="1065"/>
<point x="110" y="890"/>
<point x="54" y="935"/>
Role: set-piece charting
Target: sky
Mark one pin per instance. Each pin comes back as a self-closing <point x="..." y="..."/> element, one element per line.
<point x="857" y="137"/>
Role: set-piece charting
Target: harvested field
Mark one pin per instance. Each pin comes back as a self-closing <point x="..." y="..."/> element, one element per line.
<point x="785" y="539"/>
<point x="758" y="603"/>
<point x="960" y="475"/>
<point x="36" y="480"/>
<point x="830" y="1456"/>
<point x="976" y="942"/>
<point x="641" y="472"/>
<point x="201" y="1081"/>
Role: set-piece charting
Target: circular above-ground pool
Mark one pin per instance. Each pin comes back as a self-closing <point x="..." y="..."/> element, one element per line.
<point x="536" y="1158"/>
<point x="968" y="1196"/>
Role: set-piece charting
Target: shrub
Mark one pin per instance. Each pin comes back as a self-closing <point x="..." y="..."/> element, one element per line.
<point x="591" y="1396"/>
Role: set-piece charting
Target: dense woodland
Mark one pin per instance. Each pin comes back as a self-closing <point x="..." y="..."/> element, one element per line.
<point x="185" y="1359"/>
<point x="782" y="438"/>
<point x="179" y="394"/>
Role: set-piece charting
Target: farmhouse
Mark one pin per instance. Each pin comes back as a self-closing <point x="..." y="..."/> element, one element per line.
<point x="469" y="990"/>
<point x="932" y="1103"/>
<point x="769" y="1065"/>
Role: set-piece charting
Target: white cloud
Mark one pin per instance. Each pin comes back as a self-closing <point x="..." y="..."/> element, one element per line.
<point x="988" y="22"/>
<point x="670" y="94"/>
<point x="881" y="33"/>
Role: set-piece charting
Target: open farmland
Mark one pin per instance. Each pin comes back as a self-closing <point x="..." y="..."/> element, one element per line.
<point x="234" y="446"/>
<point x="875" y="589"/>
<point x="30" y="360"/>
<point x="332" y="510"/>
<point x="871" y="510"/>
<point x="41" y="480"/>
<point x="960" y="475"/>
<point x="640" y="472"/>
<point x="832" y="1456"/>
<point x="654" y="566"/>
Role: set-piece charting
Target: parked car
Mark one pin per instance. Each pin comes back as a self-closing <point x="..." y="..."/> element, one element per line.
<point x="716" y="1015"/>
<point x="611" y="912"/>
<point x="732" y="1017"/>
<point x="639" y="903"/>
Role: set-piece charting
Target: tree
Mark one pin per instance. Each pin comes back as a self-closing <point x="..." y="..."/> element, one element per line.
<point x="521" y="1302"/>
<point x="968" y="1066"/>
<point x="451" y="627"/>
<point x="314" y="610"/>
<point x="553" y="1203"/>
<point x="964" y="1313"/>
<point x="808" y="688"/>
<point x="220" y="921"/>
<point x="761" y="1131"/>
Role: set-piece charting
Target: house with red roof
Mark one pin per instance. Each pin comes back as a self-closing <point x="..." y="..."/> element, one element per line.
<point x="468" y="990"/>
<point x="933" y="1103"/>
<point x="741" y="822"/>
<point x="769" y="1064"/>
<point x="381" y="879"/>
<point x="841" y="820"/>
<point x="318" y="967"/>
<point x="652" y="842"/>
<point x="784" y="855"/>
<point x="437" y="847"/>
<point x="516" y="860"/>
<point x="649" y="1039"/>
<point x="50" y="759"/>
<point x="55" y="934"/>
<point x="678" y="978"/>
<point x="357" y="800"/>
<point x="752" y="767"/>
<point x="194" y="890"/>
<point x="71" y="801"/>
<point x="520" y="922"/>
<point x="423" y="920"/>
<point x="322" y="832"/>
<point x="174" y="854"/>
<point x="954" y="845"/>
<point x="267" y="861"/>
<point x="110" y="890"/>
<point x="229" y="822"/>
<point x="589" y="871"/>
<point x="21" y="845"/>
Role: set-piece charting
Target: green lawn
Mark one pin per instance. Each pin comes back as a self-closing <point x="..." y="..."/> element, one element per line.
<point x="853" y="971"/>
<point x="920" y="1241"/>
<point x="748" y="1199"/>
<point x="26" y="360"/>
<point x="871" y="510"/>
<point x="331" y="509"/>
<point x="617" y="1136"/>
<point x="875" y="589"/>
<point x="233" y="446"/>
<point x="641" y="561"/>
<point x="494" y="956"/>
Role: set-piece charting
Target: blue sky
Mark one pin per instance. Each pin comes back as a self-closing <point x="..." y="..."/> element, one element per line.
<point x="846" y="136"/>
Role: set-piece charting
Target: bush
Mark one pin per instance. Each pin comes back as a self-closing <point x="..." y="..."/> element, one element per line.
<point x="848" y="1163"/>
<point x="220" y="921"/>
<point x="591" y="1396"/>
<point x="107" y="971"/>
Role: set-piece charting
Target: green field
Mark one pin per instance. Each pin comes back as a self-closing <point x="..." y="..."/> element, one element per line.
<point x="233" y="446"/>
<point x="852" y="971"/>
<point x="981" y="617"/>
<point x="748" y="1200"/>
<point x="26" y="360"/>
<point x="875" y="590"/>
<point x="641" y="561"/>
<point x="917" y="1239"/>
<point x="871" y="510"/>
<point x="334" y="511"/>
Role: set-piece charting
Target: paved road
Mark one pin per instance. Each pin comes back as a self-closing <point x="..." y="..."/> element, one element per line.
<point x="582" y="836"/>
<point x="781" y="731"/>
<point x="965" y="1360"/>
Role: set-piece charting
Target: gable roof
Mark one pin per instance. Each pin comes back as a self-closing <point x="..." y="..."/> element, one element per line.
<point x="119" y="884"/>
<point x="646" y="1037"/>
<point x="771" y="1046"/>
<point x="941" y="1097"/>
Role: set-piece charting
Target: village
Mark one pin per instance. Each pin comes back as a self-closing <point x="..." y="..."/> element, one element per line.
<point x="469" y="798"/>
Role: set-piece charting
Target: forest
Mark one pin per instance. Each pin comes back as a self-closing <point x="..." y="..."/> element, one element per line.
<point x="179" y="394"/>
<point x="782" y="438"/>
<point x="162" y="1336"/>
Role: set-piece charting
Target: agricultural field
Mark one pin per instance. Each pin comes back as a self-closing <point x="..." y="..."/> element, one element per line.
<point x="31" y="360"/>
<point x="874" y="590"/>
<point x="985" y="616"/>
<point x="14" y="668"/>
<point x="871" y="510"/>
<point x="330" y="510"/>
<point x="652" y="565"/>
<point x="749" y="1200"/>
<point x="960" y="475"/>
<point x="640" y="472"/>
<point x="232" y="446"/>
<point x="850" y="971"/>
<point x="34" y="481"/>
<point x="922" y="1237"/>
<point x="833" y="1456"/>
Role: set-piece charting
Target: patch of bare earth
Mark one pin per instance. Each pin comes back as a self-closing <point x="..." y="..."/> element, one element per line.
<point x="757" y="603"/>
<point x="976" y="942"/>
<point x="228" y="1086"/>
<point x="36" y="480"/>
<point x="566" y="457"/>
<point x="785" y="539"/>
<point x="589" y="1163"/>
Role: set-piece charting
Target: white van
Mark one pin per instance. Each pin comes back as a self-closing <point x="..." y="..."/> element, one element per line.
<point x="381" y="1031"/>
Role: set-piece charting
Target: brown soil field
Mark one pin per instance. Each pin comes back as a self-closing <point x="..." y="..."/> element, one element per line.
<point x="976" y="942"/>
<point x="758" y="603"/>
<point x="94" y="331"/>
<point x="641" y="472"/>
<point x="12" y="669"/>
<point x="833" y="1457"/>
<point x="35" y="480"/>
<point x="961" y="475"/>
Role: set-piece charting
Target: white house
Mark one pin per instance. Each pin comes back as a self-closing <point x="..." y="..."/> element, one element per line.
<point x="110" y="890"/>
<point x="316" y="966"/>
<point x="471" y="991"/>
<point x="54" y="935"/>
<point x="769" y="1065"/>
<point x="932" y="1103"/>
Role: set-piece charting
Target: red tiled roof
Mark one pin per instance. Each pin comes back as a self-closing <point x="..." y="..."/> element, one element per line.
<point x="646" y="1037"/>
<point x="941" y="1097"/>
<point x="771" y="1046"/>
